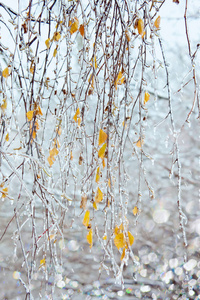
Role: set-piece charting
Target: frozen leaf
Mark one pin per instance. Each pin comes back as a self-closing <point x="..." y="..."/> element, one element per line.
<point x="135" y="210"/>
<point x="157" y="22"/>
<point x="109" y="182"/>
<point x="97" y="175"/>
<point x="123" y="254"/>
<point x="120" y="79"/>
<point x="140" y="27"/>
<point x="56" y="36"/>
<point x="42" y="262"/>
<point x="7" y="137"/>
<point x="76" y="114"/>
<point x="99" y="196"/>
<point x="95" y="61"/>
<point x="95" y="205"/>
<point x="4" y="105"/>
<point x="86" y="218"/>
<point x="50" y="160"/>
<point x="131" y="238"/>
<point x="146" y="97"/>
<point x="102" y="150"/>
<point x="119" y="241"/>
<point x="89" y="238"/>
<point x="71" y="155"/>
<point x="29" y="115"/>
<point x="103" y="163"/>
<point x="105" y="237"/>
<point x="55" y="52"/>
<point x="139" y="143"/>
<point x="38" y="111"/>
<point x="5" y="73"/>
<point x="4" y="192"/>
<point x="127" y="34"/>
<point x="32" y="69"/>
<point x="83" y="204"/>
<point x="81" y="30"/>
<point x="102" y="137"/>
<point x="53" y="152"/>
<point x="79" y="122"/>
<point x="47" y="43"/>
<point x="74" y="26"/>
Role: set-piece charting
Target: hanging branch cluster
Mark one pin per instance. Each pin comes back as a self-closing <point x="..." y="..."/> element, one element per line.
<point x="75" y="89"/>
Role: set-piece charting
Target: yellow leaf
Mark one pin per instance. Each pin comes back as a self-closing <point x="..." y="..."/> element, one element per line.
<point x="81" y="30"/>
<point x="29" y="115"/>
<point x="38" y="111"/>
<point x="95" y="205"/>
<point x="103" y="163"/>
<point x="42" y="262"/>
<point x="71" y="155"/>
<point x="79" y="122"/>
<point x="119" y="241"/>
<point x="97" y="175"/>
<point x="55" y="52"/>
<point x="123" y="254"/>
<point x="5" y="73"/>
<point x="139" y="143"/>
<point x="32" y="69"/>
<point x="53" y="152"/>
<point x="7" y="137"/>
<point x="135" y="210"/>
<point x="86" y="218"/>
<point x="4" y="105"/>
<point x="120" y="79"/>
<point x="109" y="182"/>
<point x="95" y="61"/>
<point x="89" y="238"/>
<point x="127" y="34"/>
<point x="140" y="26"/>
<point x="83" y="204"/>
<point x="131" y="238"/>
<point x="74" y="26"/>
<point x="76" y="114"/>
<point x="105" y="237"/>
<point x="146" y="97"/>
<point x="5" y="192"/>
<point x="50" y="160"/>
<point x="56" y="36"/>
<point x="102" y="150"/>
<point x="47" y="43"/>
<point x="157" y="22"/>
<point x="102" y="137"/>
<point x="99" y="196"/>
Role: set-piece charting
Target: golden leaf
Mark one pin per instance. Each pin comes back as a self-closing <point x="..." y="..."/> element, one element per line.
<point x="97" y="175"/>
<point x="89" y="238"/>
<point x="53" y="152"/>
<point x="135" y="210"/>
<point x="55" y="52"/>
<point x="42" y="262"/>
<point x="157" y="22"/>
<point x="102" y="150"/>
<point x="123" y="254"/>
<point x="102" y="137"/>
<point x="119" y="240"/>
<point x="7" y="137"/>
<point x="109" y="182"/>
<point x="32" y="67"/>
<point x="4" y="105"/>
<point x="74" y="26"/>
<point x="76" y="114"/>
<point x="103" y="163"/>
<point x="47" y="43"/>
<point x="146" y="97"/>
<point x="79" y="122"/>
<point x="131" y="238"/>
<point x="81" y="30"/>
<point x="99" y="196"/>
<point x="29" y="115"/>
<point x="83" y="204"/>
<point x="140" y="27"/>
<point x="5" y="192"/>
<point x="5" y="73"/>
<point x="120" y="79"/>
<point x="139" y="143"/>
<point x="105" y="237"/>
<point x="38" y="111"/>
<point x="86" y="218"/>
<point x="50" y="160"/>
<point x="95" y="205"/>
<point x="56" y="36"/>
<point x="127" y="34"/>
